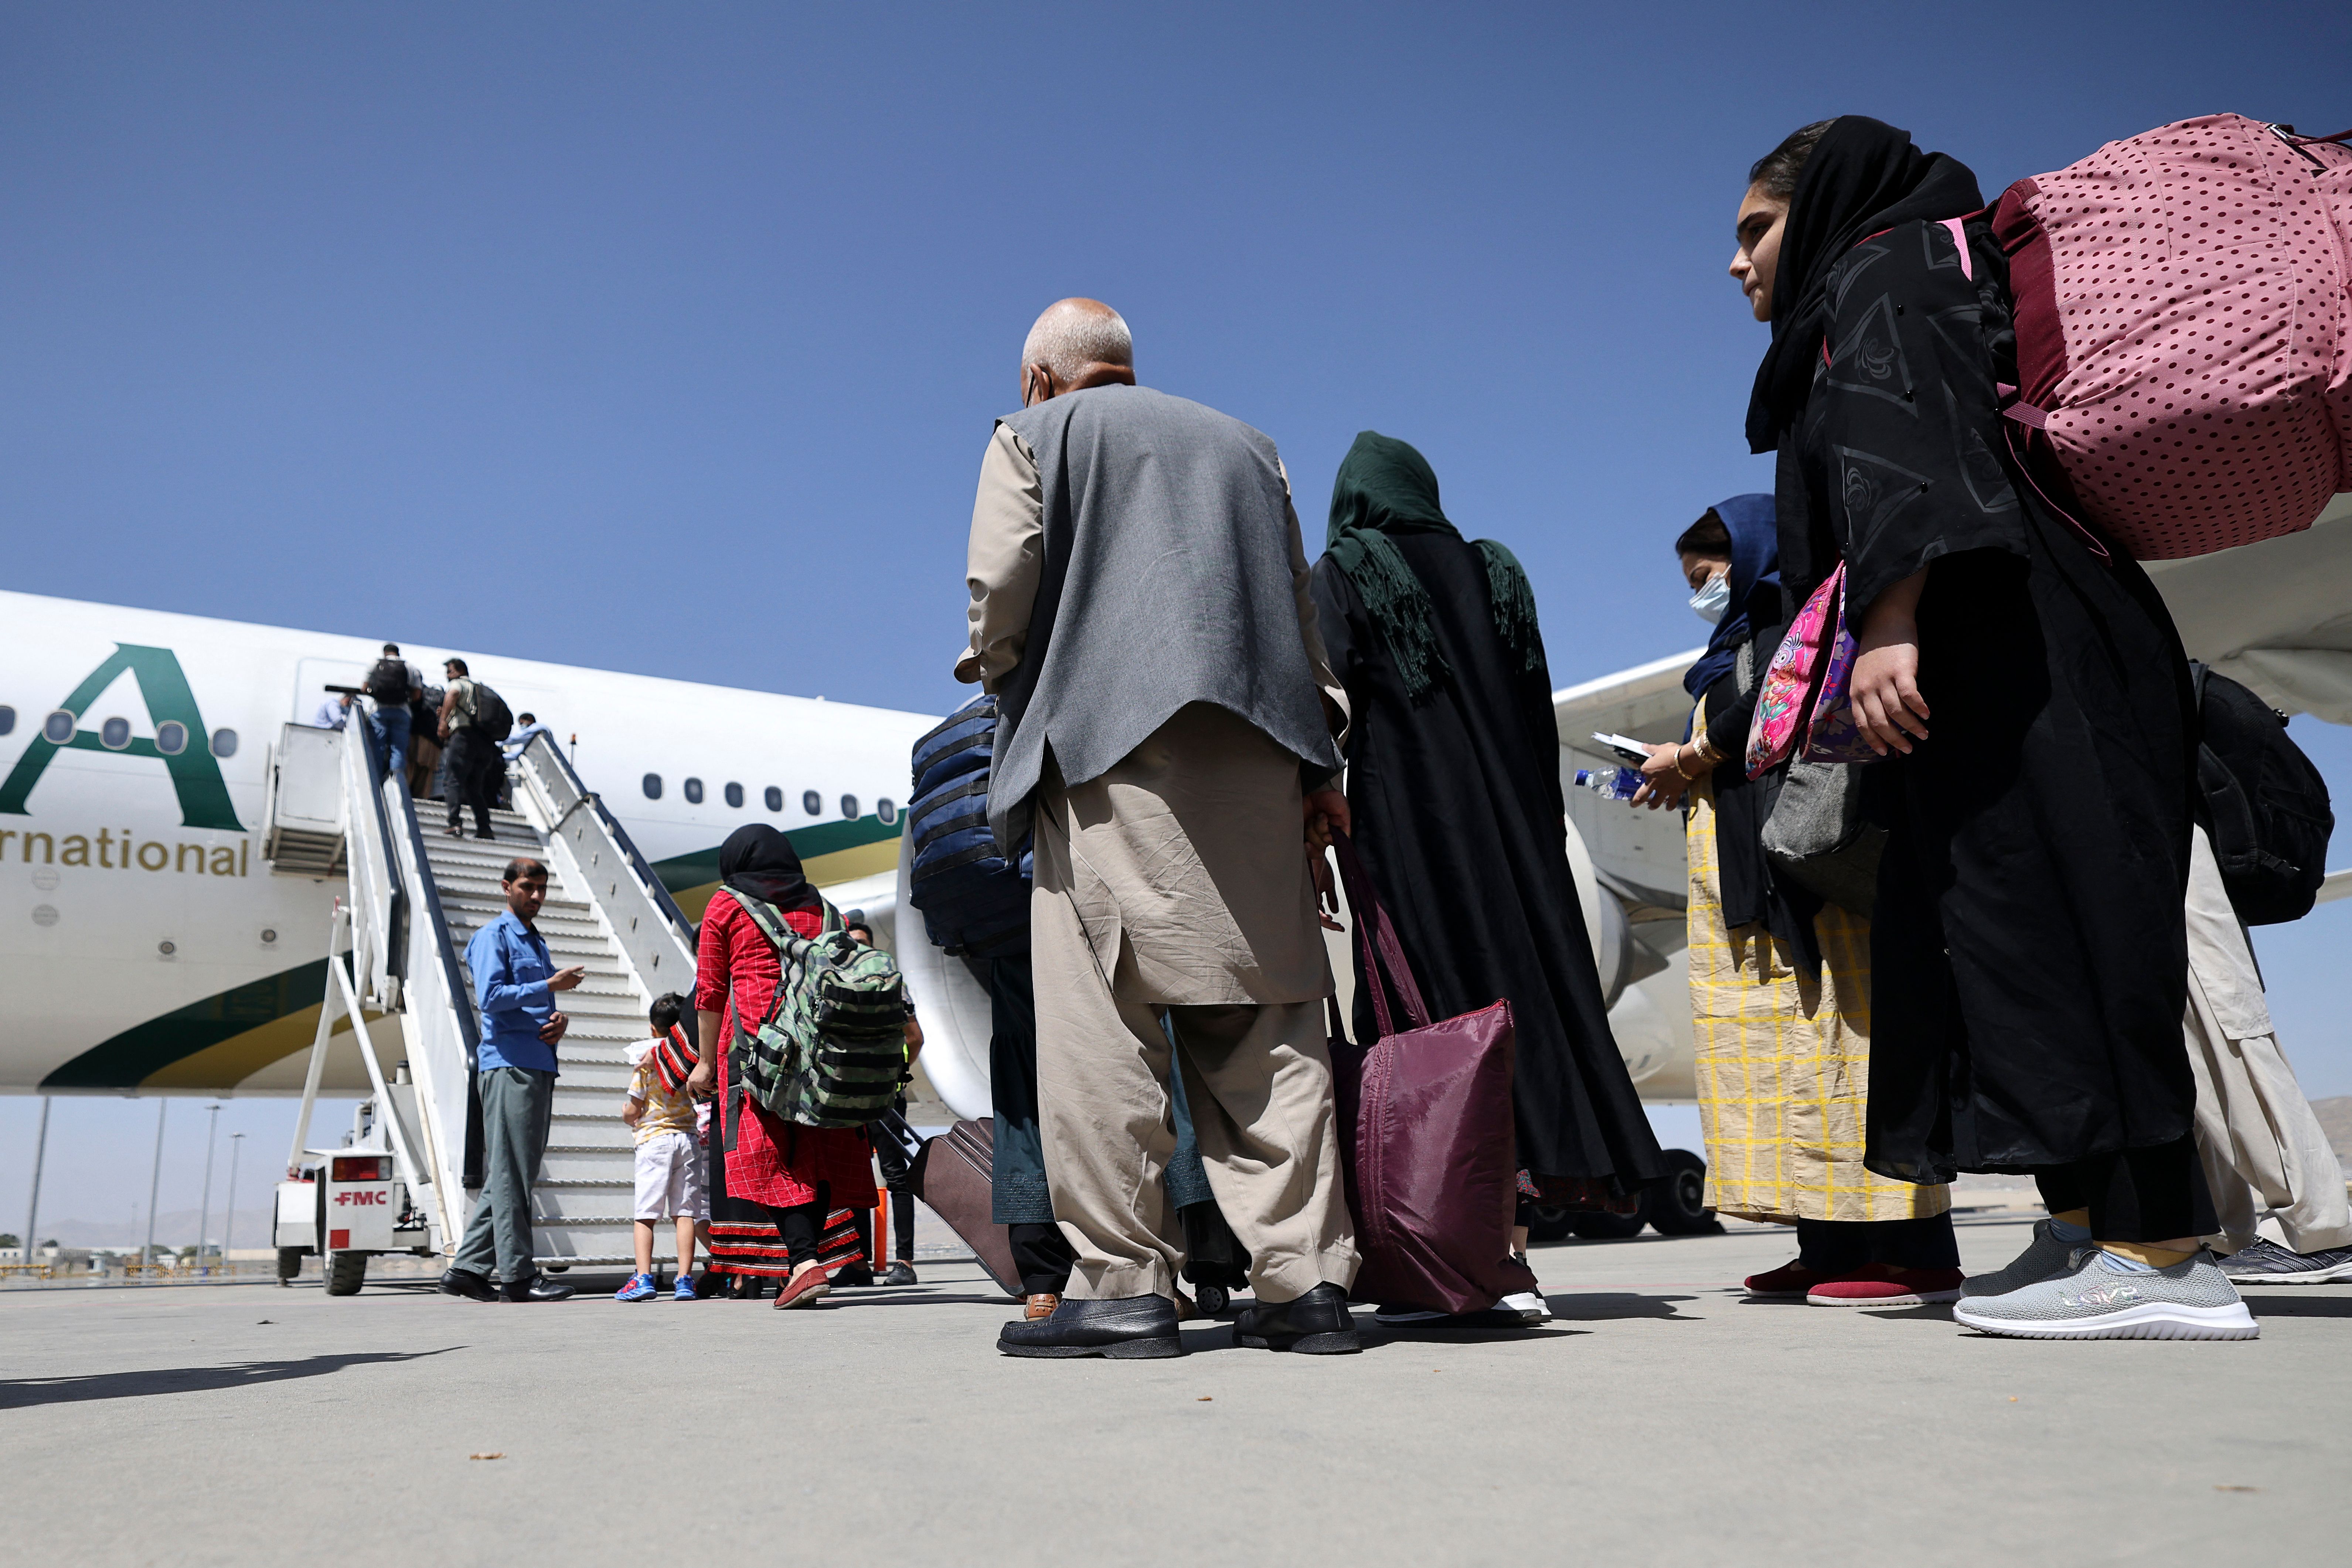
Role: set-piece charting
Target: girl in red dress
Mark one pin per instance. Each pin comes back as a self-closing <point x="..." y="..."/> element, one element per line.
<point x="792" y="1172"/>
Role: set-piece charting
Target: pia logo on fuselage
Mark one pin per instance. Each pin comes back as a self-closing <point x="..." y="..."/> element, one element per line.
<point x="182" y="743"/>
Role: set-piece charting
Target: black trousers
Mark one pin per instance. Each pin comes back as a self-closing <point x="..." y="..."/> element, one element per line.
<point x="475" y="765"/>
<point x="1836" y="1246"/>
<point x="2157" y="1194"/>
<point x="801" y="1226"/>
<point x="1042" y="1255"/>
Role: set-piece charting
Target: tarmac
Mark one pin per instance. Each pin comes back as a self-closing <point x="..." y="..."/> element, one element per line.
<point x="1660" y="1420"/>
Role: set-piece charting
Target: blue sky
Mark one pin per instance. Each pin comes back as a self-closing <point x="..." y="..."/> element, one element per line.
<point x="667" y="339"/>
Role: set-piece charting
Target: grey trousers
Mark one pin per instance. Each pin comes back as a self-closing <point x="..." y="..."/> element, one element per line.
<point x="518" y="1107"/>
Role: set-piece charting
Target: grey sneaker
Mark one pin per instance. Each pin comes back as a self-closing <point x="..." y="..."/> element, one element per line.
<point x="2193" y="1299"/>
<point x="2265" y="1262"/>
<point x="2044" y="1255"/>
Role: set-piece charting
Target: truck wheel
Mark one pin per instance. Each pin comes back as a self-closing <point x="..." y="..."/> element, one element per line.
<point x="289" y="1262"/>
<point x="346" y="1271"/>
<point x="1549" y="1223"/>
<point x="1677" y="1206"/>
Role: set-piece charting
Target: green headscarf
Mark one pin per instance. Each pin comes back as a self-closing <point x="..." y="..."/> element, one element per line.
<point x="1385" y="488"/>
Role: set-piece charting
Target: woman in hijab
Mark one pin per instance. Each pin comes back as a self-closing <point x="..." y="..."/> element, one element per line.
<point x="765" y="1168"/>
<point x="1779" y="978"/>
<point x="1454" y="782"/>
<point x="2027" y="686"/>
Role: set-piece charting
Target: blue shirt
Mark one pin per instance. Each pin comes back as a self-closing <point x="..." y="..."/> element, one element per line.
<point x="511" y="969"/>
<point x="521" y="738"/>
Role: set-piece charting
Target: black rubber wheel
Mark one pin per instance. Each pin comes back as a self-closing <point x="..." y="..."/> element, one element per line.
<point x="289" y="1262"/>
<point x="1677" y="1206"/>
<point x="1549" y="1223"/>
<point x="1594" y="1226"/>
<point x="1213" y="1300"/>
<point x="346" y="1272"/>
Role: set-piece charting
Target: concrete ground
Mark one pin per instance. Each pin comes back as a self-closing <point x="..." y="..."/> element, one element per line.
<point x="1661" y="1420"/>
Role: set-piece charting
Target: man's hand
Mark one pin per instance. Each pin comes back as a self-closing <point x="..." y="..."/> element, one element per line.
<point x="1326" y="809"/>
<point x="1327" y="902"/>
<point x="1887" y="706"/>
<point x="566" y="978"/>
<point x="552" y="1032"/>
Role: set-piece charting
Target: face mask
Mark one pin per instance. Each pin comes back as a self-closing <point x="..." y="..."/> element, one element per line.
<point x="1710" y="602"/>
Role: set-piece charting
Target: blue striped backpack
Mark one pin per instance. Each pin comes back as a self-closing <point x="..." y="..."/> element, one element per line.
<point x="975" y="898"/>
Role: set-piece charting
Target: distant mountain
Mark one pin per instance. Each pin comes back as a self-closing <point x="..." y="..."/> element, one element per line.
<point x="173" y="1228"/>
<point x="2335" y="1121"/>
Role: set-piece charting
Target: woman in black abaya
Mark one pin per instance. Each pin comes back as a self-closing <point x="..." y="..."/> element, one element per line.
<point x="1454" y="782"/>
<point x="2028" y="948"/>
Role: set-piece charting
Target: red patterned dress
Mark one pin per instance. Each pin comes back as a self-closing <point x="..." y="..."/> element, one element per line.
<point x="775" y="1162"/>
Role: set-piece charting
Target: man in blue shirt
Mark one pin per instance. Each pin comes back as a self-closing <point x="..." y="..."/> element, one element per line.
<point x="515" y="984"/>
<point x="527" y="725"/>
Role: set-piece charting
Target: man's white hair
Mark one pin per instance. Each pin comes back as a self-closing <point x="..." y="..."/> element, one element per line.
<point x="1075" y="333"/>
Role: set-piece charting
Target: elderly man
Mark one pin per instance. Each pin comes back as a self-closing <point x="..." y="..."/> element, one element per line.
<point x="1140" y="604"/>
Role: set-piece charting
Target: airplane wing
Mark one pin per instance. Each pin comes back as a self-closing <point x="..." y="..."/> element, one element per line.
<point x="2276" y="617"/>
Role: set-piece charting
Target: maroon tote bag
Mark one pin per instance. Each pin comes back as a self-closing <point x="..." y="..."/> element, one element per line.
<point x="1426" y="1134"/>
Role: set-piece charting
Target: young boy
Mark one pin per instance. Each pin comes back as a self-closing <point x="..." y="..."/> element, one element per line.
<point x="669" y="1155"/>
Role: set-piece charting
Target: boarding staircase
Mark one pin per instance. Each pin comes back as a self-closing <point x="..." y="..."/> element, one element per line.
<point x="416" y="897"/>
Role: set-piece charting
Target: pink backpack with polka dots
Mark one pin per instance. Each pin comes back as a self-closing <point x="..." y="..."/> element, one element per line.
<point x="2184" y="332"/>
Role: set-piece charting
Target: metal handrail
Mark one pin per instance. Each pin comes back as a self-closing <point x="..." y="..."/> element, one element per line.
<point x="655" y="888"/>
<point x="387" y="946"/>
<point x="464" y="1159"/>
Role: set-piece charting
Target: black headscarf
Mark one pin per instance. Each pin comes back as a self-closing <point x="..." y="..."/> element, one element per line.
<point x="1865" y="175"/>
<point x="1385" y="488"/>
<point x="1755" y="564"/>
<point x="758" y="860"/>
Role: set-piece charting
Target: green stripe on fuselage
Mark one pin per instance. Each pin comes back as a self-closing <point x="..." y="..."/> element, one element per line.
<point x="139" y="1052"/>
<point x="684" y="873"/>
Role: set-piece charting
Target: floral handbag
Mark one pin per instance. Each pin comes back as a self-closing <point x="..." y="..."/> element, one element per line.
<point x="1805" y="708"/>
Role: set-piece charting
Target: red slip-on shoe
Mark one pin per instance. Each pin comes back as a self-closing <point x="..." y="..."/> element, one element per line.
<point x="1878" y="1285"/>
<point x="802" y="1289"/>
<point x="1786" y="1283"/>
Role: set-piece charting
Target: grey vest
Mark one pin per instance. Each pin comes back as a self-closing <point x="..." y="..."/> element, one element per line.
<point x="1166" y="581"/>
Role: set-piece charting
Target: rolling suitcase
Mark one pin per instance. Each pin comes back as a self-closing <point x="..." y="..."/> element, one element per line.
<point x="951" y="1174"/>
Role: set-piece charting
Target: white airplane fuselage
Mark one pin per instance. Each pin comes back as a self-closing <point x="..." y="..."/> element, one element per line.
<point x="146" y="945"/>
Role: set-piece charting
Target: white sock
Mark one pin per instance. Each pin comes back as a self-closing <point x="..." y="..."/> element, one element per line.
<point x="2117" y="1263"/>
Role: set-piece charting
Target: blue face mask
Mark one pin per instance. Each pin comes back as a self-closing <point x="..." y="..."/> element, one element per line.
<point x="1710" y="602"/>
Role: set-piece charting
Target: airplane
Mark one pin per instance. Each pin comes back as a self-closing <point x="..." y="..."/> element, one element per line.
<point x="150" y="948"/>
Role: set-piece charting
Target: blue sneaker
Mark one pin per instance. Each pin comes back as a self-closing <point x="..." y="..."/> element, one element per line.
<point x="684" y="1291"/>
<point x="640" y="1288"/>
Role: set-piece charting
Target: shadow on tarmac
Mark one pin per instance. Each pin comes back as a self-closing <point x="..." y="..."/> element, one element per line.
<point x="2297" y="1306"/>
<point x="21" y="1393"/>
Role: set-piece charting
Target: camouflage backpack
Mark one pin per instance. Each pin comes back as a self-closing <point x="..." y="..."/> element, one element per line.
<point x="832" y="1051"/>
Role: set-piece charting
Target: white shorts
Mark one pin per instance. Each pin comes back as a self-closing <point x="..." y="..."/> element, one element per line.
<point x="669" y="1178"/>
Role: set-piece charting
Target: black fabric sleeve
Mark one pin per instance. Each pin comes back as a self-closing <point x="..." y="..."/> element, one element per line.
<point x="1729" y="715"/>
<point x="1335" y="605"/>
<point x="1903" y="415"/>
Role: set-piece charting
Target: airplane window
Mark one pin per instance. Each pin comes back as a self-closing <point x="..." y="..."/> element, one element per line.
<point x="171" y="737"/>
<point x="886" y="810"/>
<point x="694" y="791"/>
<point x="813" y="802"/>
<point x="735" y="796"/>
<point x="224" y="742"/>
<point x="849" y="805"/>
<point x="7" y="719"/>
<point x="653" y="786"/>
<point x="114" y="734"/>
<point x="58" y="728"/>
<point x="775" y="798"/>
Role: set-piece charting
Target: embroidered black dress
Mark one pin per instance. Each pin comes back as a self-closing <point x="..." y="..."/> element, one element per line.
<point x="2029" y="950"/>
<point x="1458" y="813"/>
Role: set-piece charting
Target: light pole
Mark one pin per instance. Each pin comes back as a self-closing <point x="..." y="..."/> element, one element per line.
<point x="205" y="1210"/>
<point x="33" y="1206"/>
<point x="154" y="1181"/>
<point x="228" y="1226"/>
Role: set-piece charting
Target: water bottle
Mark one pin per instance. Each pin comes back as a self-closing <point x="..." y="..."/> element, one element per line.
<point x="1609" y="783"/>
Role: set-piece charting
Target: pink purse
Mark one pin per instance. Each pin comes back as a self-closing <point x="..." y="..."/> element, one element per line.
<point x="1805" y="708"/>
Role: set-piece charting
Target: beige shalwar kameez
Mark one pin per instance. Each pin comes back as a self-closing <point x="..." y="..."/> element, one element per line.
<point x="1176" y="886"/>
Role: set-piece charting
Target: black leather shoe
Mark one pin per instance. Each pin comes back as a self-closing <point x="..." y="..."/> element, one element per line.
<point x="900" y="1272"/>
<point x="1314" y="1324"/>
<point x="466" y="1283"/>
<point x="854" y="1274"/>
<point x="539" y="1288"/>
<point x="1131" y="1328"/>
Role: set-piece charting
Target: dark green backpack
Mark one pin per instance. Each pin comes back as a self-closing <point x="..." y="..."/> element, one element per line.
<point x="832" y="1051"/>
